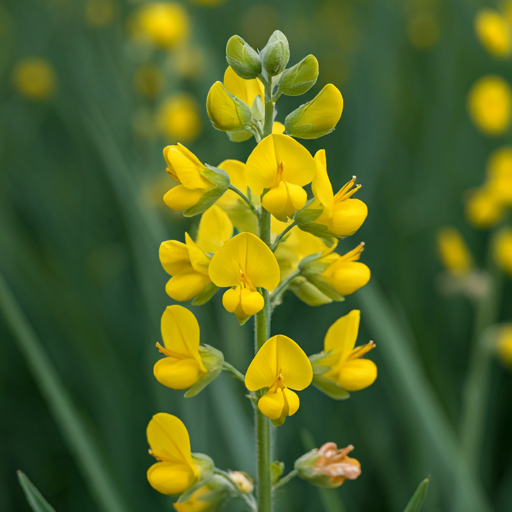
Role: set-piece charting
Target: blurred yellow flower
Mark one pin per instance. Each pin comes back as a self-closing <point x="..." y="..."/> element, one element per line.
<point x="504" y="345"/>
<point x="175" y="470"/>
<point x="34" y="78"/>
<point x="423" y="29"/>
<point x="279" y="365"/>
<point x="163" y="24"/>
<point x="347" y="368"/>
<point x="282" y="165"/>
<point x="499" y="175"/>
<point x="182" y="367"/>
<point x="494" y="32"/>
<point x="244" y="264"/>
<point x="100" y="12"/>
<point x="454" y="252"/>
<point x="185" y="168"/>
<point x="503" y="250"/>
<point x="178" y="118"/>
<point x="207" y="3"/>
<point x="189" y="61"/>
<point x="489" y="104"/>
<point x="149" y="81"/>
<point x="342" y="214"/>
<point x="188" y="262"/>
<point x="483" y="208"/>
<point x="346" y="275"/>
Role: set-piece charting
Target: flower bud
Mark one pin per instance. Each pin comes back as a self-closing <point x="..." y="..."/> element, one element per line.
<point x="207" y="498"/>
<point x="242" y="58"/>
<point x="300" y="78"/>
<point x="227" y="113"/>
<point x="242" y="480"/>
<point x="328" y="466"/>
<point x="318" y="117"/>
<point x="276" y="54"/>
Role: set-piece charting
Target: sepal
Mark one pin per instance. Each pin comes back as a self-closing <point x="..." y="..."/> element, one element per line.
<point x="240" y="135"/>
<point x="323" y="285"/>
<point x="299" y="78"/>
<point x="276" y="470"/>
<point x="213" y="360"/>
<point x="206" y="468"/>
<point x="205" y="294"/>
<point x="308" y="292"/>
<point x="220" y="181"/>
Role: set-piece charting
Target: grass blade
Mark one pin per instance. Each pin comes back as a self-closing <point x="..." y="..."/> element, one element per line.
<point x="418" y="498"/>
<point x="34" y="497"/>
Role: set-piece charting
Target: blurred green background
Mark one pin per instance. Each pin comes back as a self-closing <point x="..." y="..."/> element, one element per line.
<point x="81" y="219"/>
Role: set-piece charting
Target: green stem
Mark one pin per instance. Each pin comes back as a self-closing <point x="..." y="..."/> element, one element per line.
<point x="276" y="294"/>
<point x="281" y="235"/>
<point x="245" y="198"/>
<point x="248" y="498"/>
<point x="231" y="369"/>
<point x="285" y="479"/>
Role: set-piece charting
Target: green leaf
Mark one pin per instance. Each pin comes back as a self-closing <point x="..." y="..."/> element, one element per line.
<point x="330" y="388"/>
<point x="206" y="469"/>
<point x="34" y="497"/>
<point x="205" y="295"/>
<point x="213" y="359"/>
<point x="276" y="470"/>
<point x="418" y="498"/>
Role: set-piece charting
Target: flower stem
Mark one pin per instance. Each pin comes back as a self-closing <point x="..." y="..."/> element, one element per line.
<point x="276" y="294"/>
<point x="285" y="479"/>
<point x="234" y="372"/>
<point x="279" y="237"/>
<point x="245" y="198"/>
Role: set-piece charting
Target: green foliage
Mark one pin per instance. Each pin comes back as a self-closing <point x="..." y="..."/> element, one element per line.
<point x="34" y="497"/>
<point x="418" y="498"/>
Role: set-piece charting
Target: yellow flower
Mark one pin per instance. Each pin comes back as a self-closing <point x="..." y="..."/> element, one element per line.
<point x="208" y="498"/>
<point x="183" y="365"/>
<point x="34" y="78"/>
<point x="504" y="345"/>
<point x="149" y="81"/>
<point x="175" y="470"/>
<point x="499" y="175"/>
<point x="493" y="32"/>
<point x="454" y="252"/>
<point x="483" y="208"/>
<point x="244" y="264"/>
<point x="282" y="165"/>
<point x="188" y="262"/>
<point x="161" y="23"/>
<point x="318" y="117"/>
<point x="226" y="112"/>
<point x="346" y="275"/>
<point x="503" y="250"/>
<point x="100" y="12"/>
<point x="195" y="503"/>
<point x="342" y="214"/>
<point x="489" y="104"/>
<point x="346" y="368"/>
<point x="178" y="117"/>
<point x="280" y="365"/>
<point x="185" y="168"/>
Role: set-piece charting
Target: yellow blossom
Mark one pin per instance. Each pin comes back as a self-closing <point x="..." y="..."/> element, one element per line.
<point x="489" y="104"/>
<point x="185" y="168"/>
<point x="182" y="367"/>
<point x="244" y="264"/>
<point x="346" y="275"/>
<point x="483" y="208"/>
<point x="499" y="175"/>
<point x="347" y="369"/>
<point x="178" y="117"/>
<point x="453" y="251"/>
<point x="493" y="32"/>
<point x="504" y="345"/>
<point x="283" y="166"/>
<point x="503" y="250"/>
<point x="342" y="214"/>
<point x="280" y="365"/>
<point x="164" y="24"/>
<point x="175" y="470"/>
<point x="318" y="117"/>
<point x="208" y="498"/>
<point x="149" y="81"/>
<point x="34" y="78"/>
<point x="188" y="262"/>
<point x="195" y="503"/>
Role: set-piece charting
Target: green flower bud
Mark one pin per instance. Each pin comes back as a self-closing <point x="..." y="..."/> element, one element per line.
<point x="242" y="58"/>
<point x="328" y="466"/>
<point x="300" y="78"/>
<point x="276" y="54"/>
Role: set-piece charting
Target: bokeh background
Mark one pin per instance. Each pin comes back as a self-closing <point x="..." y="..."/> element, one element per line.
<point x="87" y="104"/>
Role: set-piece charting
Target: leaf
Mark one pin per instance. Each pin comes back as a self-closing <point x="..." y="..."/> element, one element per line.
<point x="34" y="497"/>
<point x="330" y="388"/>
<point x="213" y="359"/>
<point x="418" y="498"/>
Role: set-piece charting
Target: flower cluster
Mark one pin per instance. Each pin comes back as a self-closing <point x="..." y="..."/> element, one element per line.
<point x="261" y="234"/>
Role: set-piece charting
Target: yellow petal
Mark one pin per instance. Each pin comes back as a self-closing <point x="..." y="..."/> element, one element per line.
<point x="284" y="200"/>
<point x="245" y="90"/>
<point x="181" y="198"/>
<point x="177" y="373"/>
<point x="215" y="229"/>
<point x="169" y="441"/>
<point x="298" y="166"/>
<point x="198" y="259"/>
<point x="342" y="334"/>
<point x="293" y="401"/>
<point x="272" y="404"/>
<point x="236" y="172"/>
<point x="321" y="185"/>
<point x="251" y="302"/>
<point x="174" y="257"/>
<point x="186" y="166"/>
<point x="279" y="354"/>
<point x="182" y="287"/>
<point x="357" y="374"/>
<point x="231" y="299"/>
<point x="169" y="478"/>
<point x="348" y="217"/>
<point x="245" y="253"/>
<point x="349" y="277"/>
<point x="453" y="251"/>
<point x="224" y="113"/>
<point x="278" y="127"/>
